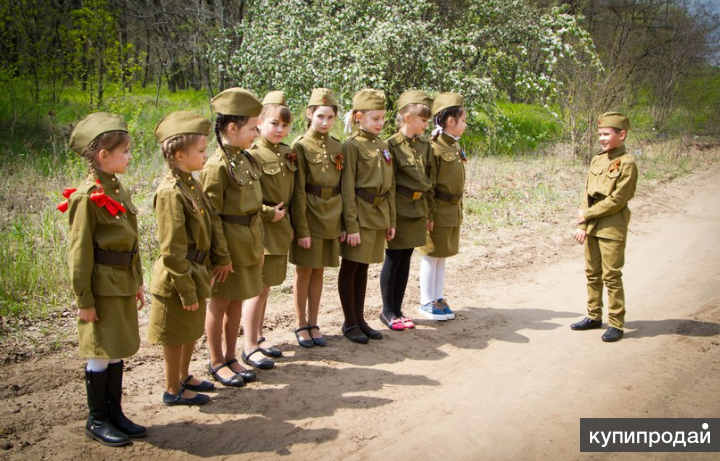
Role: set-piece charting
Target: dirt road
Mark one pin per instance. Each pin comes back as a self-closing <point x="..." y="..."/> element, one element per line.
<point x="507" y="379"/>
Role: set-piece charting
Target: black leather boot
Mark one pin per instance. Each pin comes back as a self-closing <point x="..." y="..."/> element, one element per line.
<point x="114" y="403"/>
<point x="98" y="425"/>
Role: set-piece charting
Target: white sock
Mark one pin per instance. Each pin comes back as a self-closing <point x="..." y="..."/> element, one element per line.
<point x="97" y="365"/>
<point x="440" y="278"/>
<point x="428" y="274"/>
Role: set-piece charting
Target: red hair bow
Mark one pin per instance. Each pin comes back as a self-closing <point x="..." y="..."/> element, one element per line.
<point x="63" y="206"/>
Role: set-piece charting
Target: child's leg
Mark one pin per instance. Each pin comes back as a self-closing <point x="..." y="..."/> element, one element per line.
<point x="214" y="319"/>
<point x="388" y="282"/>
<point x="115" y="371"/>
<point x="428" y="275"/>
<point x="186" y="353"/>
<point x="313" y="295"/>
<point x="253" y="319"/>
<point x="346" y="289"/>
<point x="360" y="289"/>
<point x="231" y="329"/>
<point x="173" y="359"/>
<point x="613" y="260"/>
<point x="440" y="278"/>
<point x="593" y="272"/>
<point x="403" y="272"/>
<point x="301" y="288"/>
<point x="99" y="425"/>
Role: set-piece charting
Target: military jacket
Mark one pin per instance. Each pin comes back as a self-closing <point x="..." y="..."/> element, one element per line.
<point x="94" y="226"/>
<point x="448" y="177"/>
<point x="239" y="197"/>
<point x="318" y="155"/>
<point x="609" y="187"/>
<point x="182" y="226"/>
<point x="412" y="163"/>
<point x="367" y="168"/>
<point x="278" y="166"/>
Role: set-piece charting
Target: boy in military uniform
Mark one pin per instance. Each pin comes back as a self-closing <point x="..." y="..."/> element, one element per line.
<point x="603" y="225"/>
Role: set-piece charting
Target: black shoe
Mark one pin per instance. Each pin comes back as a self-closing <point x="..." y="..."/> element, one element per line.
<point x="271" y="351"/>
<point x="172" y="399"/>
<point x="264" y="363"/>
<point x="369" y="332"/>
<point x="355" y="334"/>
<point x="114" y="403"/>
<point x="247" y="375"/>
<point x="612" y="334"/>
<point x="586" y="324"/>
<point x="204" y="386"/>
<point x="235" y="381"/>
<point x="98" y="426"/>
<point x="318" y="341"/>
<point x="303" y="342"/>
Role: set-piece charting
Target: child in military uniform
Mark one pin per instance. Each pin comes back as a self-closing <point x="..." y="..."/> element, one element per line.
<point x="106" y="272"/>
<point x="231" y="179"/>
<point x="278" y="165"/>
<point x="316" y="210"/>
<point x="187" y="229"/>
<point x="603" y="225"/>
<point x="368" y="193"/>
<point x="411" y="162"/>
<point x="446" y="208"/>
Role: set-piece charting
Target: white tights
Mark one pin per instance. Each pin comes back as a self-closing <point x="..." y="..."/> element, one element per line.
<point x="432" y="278"/>
<point x="100" y="364"/>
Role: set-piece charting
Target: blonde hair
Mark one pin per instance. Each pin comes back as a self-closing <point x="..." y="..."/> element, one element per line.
<point x="276" y="110"/>
<point x="413" y="110"/>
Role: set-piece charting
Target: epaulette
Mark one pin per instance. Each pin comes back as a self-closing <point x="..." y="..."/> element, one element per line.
<point x="297" y="139"/>
<point x="336" y="139"/>
<point x="87" y="186"/>
<point x="396" y="139"/>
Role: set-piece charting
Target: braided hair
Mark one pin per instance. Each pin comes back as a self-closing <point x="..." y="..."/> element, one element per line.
<point x="175" y="144"/>
<point x="221" y="123"/>
<point x="449" y="112"/>
<point x="107" y="141"/>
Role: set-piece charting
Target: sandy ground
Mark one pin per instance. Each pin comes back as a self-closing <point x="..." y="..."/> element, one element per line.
<point x="507" y="379"/>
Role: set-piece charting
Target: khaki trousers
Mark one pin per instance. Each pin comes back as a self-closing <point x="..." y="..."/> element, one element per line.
<point x="604" y="260"/>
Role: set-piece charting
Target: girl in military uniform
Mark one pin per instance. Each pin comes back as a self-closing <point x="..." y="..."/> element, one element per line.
<point x="446" y="208"/>
<point x="231" y="179"/>
<point x="316" y="209"/>
<point x="106" y="272"/>
<point x="278" y="165"/>
<point x="368" y="193"/>
<point x="412" y="160"/>
<point x="187" y="230"/>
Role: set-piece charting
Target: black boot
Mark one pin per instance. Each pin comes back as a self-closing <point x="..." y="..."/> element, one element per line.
<point x="114" y="403"/>
<point x="98" y="425"/>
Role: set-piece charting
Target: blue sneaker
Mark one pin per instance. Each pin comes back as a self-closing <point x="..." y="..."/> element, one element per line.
<point x="432" y="311"/>
<point x="442" y="304"/>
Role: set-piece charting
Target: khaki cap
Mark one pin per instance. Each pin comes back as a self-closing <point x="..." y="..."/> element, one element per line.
<point x="181" y="122"/>
<point x="93" y="126"/>
<point x="275" y="97"/>
<point x="414" y="97"/>
<point x="445" y="100"/>
<point x="322" y="97"/>
<point x="368" y="99"/>
<point x="614" y="120"/>
<point x="237" y="101"/>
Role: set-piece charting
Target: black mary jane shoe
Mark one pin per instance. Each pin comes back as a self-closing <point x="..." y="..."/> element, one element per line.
<point x="370" y="332"/>
<point x="355" y="334"/>
<point x="234" y="381"/>
<point x="586" y="324"/>
<point x="264" y="363"/>
<point x="178" y="399"/>
<point x="321" y="341"/>
<point x="247" y="375"/>
<point x="303" y="342"/>
<point x="204" y="386"/>
<point x="271" y="351"/>
<point x="612" y="334"/>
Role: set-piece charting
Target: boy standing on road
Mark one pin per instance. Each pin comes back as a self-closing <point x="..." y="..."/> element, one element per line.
<point x="603" y="225"/>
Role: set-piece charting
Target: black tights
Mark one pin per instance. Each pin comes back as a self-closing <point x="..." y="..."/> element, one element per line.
<point x="393" y="281"/>
<point x="352" y="282"/>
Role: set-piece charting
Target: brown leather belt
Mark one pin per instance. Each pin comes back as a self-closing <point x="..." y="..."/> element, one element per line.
<point x="244" y="220"/>
<point x="196" y="256"/>
<point x="454" y="199"/>
<point x="374" y="200"/>
<point x="407" y="192"/>
<point x="322" y="192"/>
<point x="115" y="258"/>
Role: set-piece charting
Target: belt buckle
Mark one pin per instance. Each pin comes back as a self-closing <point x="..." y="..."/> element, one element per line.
<point x="417" y="195"/>
<point x="326" y="193"/>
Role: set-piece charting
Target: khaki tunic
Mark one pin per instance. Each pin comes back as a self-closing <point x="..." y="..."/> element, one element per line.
<point x="177" y="281"/>
<point x="241" y="197"/>
<point x="366" y="168"/>
<point x="448" y="177"/>
<point x="110" y="290"/>
<point x="412" y="163"/>
<point x="313" y="216"/>
<point x="277" y="182"/>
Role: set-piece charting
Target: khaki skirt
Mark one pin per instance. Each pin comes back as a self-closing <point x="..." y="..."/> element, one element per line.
<point x="322" y="253"/>
<point x="171" y="325"/>
<point x="274" y="270"/>
<point x="409" y="233"/>
<point x="371" y="249"/>
<point x="442" y="242"/>
<point x="115" y="335"/>
<point x="244" y="283"/>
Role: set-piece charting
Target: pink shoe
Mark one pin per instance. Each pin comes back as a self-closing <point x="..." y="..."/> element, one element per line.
<point x="394" y="323"/>
<point x="407" y="322"/>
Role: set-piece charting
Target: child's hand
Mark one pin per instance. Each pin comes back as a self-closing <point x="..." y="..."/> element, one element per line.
<point x="343" y="236"/>
<point x="353" y="239"/>
<point x="191" y="307"/>
<point x="305" y="243"/>
<point x="140" y="296"/>
<point x="89" y="315"/>
<point x="279" y="212"/>
<point x="430" y="226"/>
<point x="581" y="217"/>
<point x="389" y="233"/>
<point x="580" y="236"/>
<point x="220" y="273"/>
